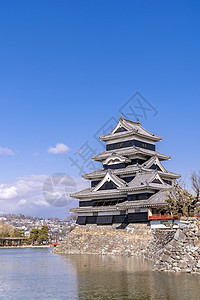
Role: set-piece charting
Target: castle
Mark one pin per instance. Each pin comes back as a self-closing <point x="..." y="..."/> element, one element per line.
<point x="132" y="185"/>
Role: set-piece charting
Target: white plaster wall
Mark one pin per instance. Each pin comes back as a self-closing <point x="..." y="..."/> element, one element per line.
<point x="107" y="213"/>
<point x="131" y="210"/>
<point x="85" y="214"/>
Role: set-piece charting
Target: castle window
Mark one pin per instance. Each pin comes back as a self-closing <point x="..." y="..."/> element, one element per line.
<point x="130" y="144"/>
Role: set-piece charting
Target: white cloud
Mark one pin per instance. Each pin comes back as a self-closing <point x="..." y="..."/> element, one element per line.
<point x="26" y="196"/>
<point x="22" y="202"/>
<point x="7" y="192"/>
<point x="5" y="151"/>
<point x="58" y="149"/>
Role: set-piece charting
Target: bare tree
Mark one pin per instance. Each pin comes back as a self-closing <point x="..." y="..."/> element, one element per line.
<point x="181" y="202"/>
<point x="72" y="217"/>
<point x="195" y="178"/>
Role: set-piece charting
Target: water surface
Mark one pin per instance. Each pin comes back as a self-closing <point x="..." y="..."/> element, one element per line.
<point x="39" y="274"/>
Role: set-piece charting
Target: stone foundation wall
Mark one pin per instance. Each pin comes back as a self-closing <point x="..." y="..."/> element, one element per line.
<point x="181" y="253"/>
<point x="159" y="239"/>
<point x="93" y="239"/>
<point x="171" y="250"/>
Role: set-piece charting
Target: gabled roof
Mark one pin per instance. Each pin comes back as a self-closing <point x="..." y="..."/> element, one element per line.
<point x="129" y="170"/>
<point x="131" y="151"/>
<point x="96" y="192"/>
<point x="110" y="177"/>
<point x="126" y="128"/>
<point x="146" y="180"/>
<point x="142" y="181"/>
<point x="115" y="158"/>
<point x="157" y="199"/>
<point x="153" y="161"/>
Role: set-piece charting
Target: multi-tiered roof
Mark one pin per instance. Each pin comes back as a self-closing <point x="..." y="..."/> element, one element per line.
<point x="132" y="180"/>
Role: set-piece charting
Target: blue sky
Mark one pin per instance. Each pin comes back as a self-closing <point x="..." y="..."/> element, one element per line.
<point x="67" y="67"/>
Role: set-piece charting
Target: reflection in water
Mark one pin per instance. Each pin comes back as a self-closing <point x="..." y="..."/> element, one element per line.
<point x="39" y="274"/>
<point x="36" y="274"/>
<point x="110" y="277"/>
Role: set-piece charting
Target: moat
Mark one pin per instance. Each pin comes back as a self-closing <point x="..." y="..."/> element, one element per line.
<point x="40" y="274"/>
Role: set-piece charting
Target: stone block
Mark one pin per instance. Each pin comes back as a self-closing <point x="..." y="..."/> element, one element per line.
<point x="182" y="264"/>
<point x="188" y="258"/>
<point x="197" y="243"/>
<point x="176" y="269"/>
<point x="167" y="252"/>
<point x="165" y="258"/>
<point x="198" y="264"/>
<point x="174" y="243"/>
<point x="179" y="235"/>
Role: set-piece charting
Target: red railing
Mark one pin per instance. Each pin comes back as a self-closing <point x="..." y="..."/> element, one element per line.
<point x="166" y="217"/>
<point x="53" y="245"/>
<point x="160" y="217"/>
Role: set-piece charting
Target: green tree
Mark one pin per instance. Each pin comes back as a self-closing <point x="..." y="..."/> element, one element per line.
<point x="5" y="234"/>
<point x="18" y="232"/>
<point x="43" y="235"/>
<point x="34" y="233"/>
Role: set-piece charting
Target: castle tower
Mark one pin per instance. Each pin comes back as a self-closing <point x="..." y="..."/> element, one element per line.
<point x="132" y="185"/>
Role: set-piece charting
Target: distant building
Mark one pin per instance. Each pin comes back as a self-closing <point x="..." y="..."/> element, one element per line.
<point x="132" y="186"/>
